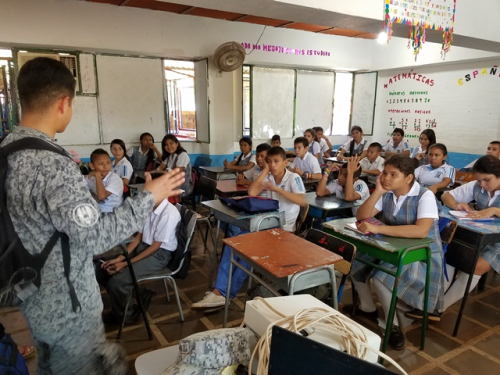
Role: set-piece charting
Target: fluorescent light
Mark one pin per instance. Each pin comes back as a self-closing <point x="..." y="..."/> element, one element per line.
<point x="23" y="51"/>
<point x="382" y="38"/>
<point x="63" y="54"/>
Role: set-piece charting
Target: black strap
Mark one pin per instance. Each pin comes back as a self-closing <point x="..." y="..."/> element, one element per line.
<point x="66" y="263"/>
<point x="32" y="143"/>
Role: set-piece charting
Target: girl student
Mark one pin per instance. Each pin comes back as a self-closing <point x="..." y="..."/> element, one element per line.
<point x="175" y="156"/>
<point x="143" y="156"/>
<point x="314" y="146"/>
<point x="437" y="174"/>
<point x="121" y="164"/>
<point x="411" y="211"/>
<point x="486" y="192"/>
<point x="356" y="145"/>
<point x="427" y="139"/>
<point x="246" y="160"/>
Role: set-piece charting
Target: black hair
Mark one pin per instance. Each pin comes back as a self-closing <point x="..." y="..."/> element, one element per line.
<point x="495" y="143"/>
<point x="276" y="137"/>
<point x="357" y="128"/>
<point x="164" y="153"/>
<point x="357" y="173"/>
<point x="277" y="151"/>
<point x="399" y="130"/>
<point x="97" y="152"/>
<point x="318" y="129"/>
<point x="43" y="81"/>
<point x="151" y="152"/>
<point x="313" y="133"/>
<point x="263" y="147"/>
<point x="247" y="140"/>
<point x="487" y="164"/>
<point x="120" y="143"/>
<point x="440" y="146"/>
<point x="376" y="145"/>
<point x="404" y="164"/>
<point x="351" y="146"/>
<point x="302" y="140"/>
<point x="431" y="136"/>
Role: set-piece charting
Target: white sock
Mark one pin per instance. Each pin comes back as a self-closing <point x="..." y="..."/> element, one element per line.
<point x="364" y="291"/>
<point x="384" y="296"/>
<point x="457" y="290"/>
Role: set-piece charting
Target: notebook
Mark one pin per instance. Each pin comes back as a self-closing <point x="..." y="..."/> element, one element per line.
<point x="370" y="220"/>
<point x="462" y="215"/>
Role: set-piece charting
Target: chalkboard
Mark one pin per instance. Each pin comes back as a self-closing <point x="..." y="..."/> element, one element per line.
<point x="131" y="97"/>
<point x="87" y="73"/>
<point x="83" y="128"/>
<point x="363" y="101"/>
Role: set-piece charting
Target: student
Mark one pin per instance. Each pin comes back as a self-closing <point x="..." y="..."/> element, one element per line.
<point x="437" y="174"/>
<point x="354" y="146"/>
<point x="485" y="192"/>
<point x="314" y="147"/>
<point x="427" y="139"/>
<point x="69" y="338"/>
<point x="279" y="184"/>
<point x="121" y="165"/>
<point x="305" y="164"/>
<point x="246" y="160"/>
<point x="348" y="186"/>
<point x="246" y="178"/>
<point x="493" y="149"/>
<point x="324" y="142"/>
<point x="373" y="163"/>
<point x="396" y="145"/>
<point x="143" y="156"/>
<point x="409" y="211"/>
<point x="150" y="251"/>
<point x="103" y="183"/>
<point x="175" y="156"/>
<point x="276" y="140"/>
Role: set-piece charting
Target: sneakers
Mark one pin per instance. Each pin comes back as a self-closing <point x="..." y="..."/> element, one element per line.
<point x="397" y="338"/>
<point x="369" y="315"/>
<point x="210" y="301"/>
<point x="419" y="315"/>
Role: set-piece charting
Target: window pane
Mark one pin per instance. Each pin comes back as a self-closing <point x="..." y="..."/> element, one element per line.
<point x="342" y="103"/>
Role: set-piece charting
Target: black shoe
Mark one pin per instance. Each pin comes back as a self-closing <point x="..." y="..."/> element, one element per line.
<point x="419" y="315"/>
<point x="397" y="338"/>
<point x="369" y="315"/>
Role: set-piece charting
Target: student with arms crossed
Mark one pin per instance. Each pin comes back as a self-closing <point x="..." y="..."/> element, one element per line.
<point x="437" y="174"/>
<point x="373" y="164"/>
<point x="396" y="145"/>
<point x="246" y="160"/>
<point x="305" y="164"/>
<point x="121" y="165"/>
<point x="410" y="211"/>
<point x="69" y="335"/>
<point x="277" y="183"/>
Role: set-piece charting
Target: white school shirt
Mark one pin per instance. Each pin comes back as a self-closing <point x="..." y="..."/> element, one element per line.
<point x="315" y="148"/>
<point x="324" y="146"/>
<point x="113" y="184"/>
<point x="308" y="164"/>
<point x="465" y="193"/>
<point x="182" y="160"/>
<point x="427" y="206"/>
<point x="360" y="187"/>
<point x="123" y="169"/>
<point x="364" y="144"/>
<point x="399" y="149"/>
<point x="428" y="176"/>
<point x="253" y="158"/>
<point x="291" y="182"/>
<point x="378" y="163"/>
<point x="417" y="150"/>
<point x="161" y="226"/>
<point x="252" y="175"/>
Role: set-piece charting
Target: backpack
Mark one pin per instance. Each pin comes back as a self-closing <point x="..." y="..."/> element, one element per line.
<point x="20" y="270"/>
<point x="11" y="361"/>
<point x="182" y="239"/>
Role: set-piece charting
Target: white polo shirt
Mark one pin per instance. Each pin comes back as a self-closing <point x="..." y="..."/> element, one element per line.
<point x="308" y="164"/>
<point x="252" y="174"/>
<point x="123" y="169"/>
<point x="428" y="176"/>
<point x="113" y="184"/>
<point x="181" y="162"/>
<point x="363" y="144"/>
<point x="465" y="193"/>
<point x="253" y="158"/>
<point x="323" y="145"/>
<point x="315" y="148"/>
<point x="417" y="150"/>
<point x="291" y="182"/>
<point x="399" y="149"/>
<point x="161" y="226"/>
<point x="427" y="206"/>
<point x="378" y="163"/>
<point x="360" y="187"/>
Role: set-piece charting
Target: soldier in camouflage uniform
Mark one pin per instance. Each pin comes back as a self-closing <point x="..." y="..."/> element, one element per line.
<point x="46" y="192"/>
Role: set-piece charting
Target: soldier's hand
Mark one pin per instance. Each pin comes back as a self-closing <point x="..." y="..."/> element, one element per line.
<point x="166" y="185"/>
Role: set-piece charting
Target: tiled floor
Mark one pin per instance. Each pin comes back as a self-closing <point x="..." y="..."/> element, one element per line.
<point x="475" y="350"/>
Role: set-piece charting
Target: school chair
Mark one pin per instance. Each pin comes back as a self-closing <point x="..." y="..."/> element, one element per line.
<point x="202" y="161"/>
<point x="207" y="188"/>
<point x="166" y="274"/>
<point x="337" y="246"/>
<point x="301" y="218"/>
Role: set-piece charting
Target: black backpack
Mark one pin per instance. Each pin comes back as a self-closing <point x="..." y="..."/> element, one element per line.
<point x="182" y="238"/>
<point x="20" y="270"/>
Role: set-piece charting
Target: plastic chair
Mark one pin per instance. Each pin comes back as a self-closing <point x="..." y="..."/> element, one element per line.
<point x="343" y="248"/>
<point x="202" y="161"/>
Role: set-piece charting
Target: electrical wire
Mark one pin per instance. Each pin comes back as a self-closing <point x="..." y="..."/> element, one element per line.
<point x="258" y="40"/>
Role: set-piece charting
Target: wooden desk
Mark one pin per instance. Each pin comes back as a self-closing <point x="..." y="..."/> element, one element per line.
<point x="323" y="207"/>
<point x="218" y="173"/>
<point x="393" y="250"/>
<point x="229" y="188"/>
<point x="279" y="254"/>
<point x="243" y="220"/>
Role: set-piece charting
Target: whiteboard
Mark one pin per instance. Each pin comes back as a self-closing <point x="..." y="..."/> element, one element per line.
<point x="314" y="100"/>
<point x="131" y="97"/>
<point x="363" y="101"/>
<point x="87" y="73"/>
<point x="83" y="128"/>
<point x="272" y="102"/>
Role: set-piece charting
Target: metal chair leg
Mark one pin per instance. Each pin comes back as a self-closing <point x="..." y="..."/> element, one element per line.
<point x="176" y="292"/>
<point x="166" y="289"/>
<point x="125" y="311"/>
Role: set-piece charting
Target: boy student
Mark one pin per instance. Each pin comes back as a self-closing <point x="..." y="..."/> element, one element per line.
<point x="324" y="142"/>
<point x="305" y="164"/>
<point x="373" y="163"/>
<point x="397" y="145"/>
<point x="493" y="149"/>
<point x="276" y="141"/>
<point x="348" y="186"/>
<point x="278" y="183"/>
<point x="151" y="251"/>
<point x="103" y="183"/>
<point x="67" y="327"/>
<point x="246" y="178"/>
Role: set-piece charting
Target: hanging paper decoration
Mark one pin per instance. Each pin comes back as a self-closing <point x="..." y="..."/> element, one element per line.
<point x="421" y="15"/>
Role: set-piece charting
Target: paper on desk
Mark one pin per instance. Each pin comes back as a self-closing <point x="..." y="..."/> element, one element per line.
<point x="463" y="215"/>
